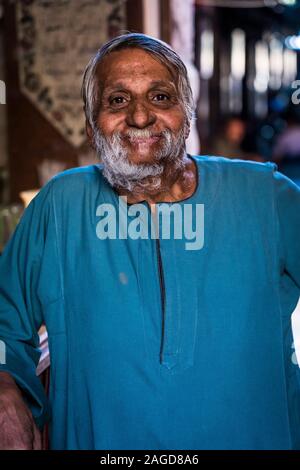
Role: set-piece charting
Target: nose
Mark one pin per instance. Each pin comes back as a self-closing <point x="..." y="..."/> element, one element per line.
<point x="140" y="115"/>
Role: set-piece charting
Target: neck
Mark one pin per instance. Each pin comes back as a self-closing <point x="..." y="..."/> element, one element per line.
<point x="176" y="184"/>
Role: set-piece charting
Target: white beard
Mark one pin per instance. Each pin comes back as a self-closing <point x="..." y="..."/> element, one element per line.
<point x="123" y="174"/>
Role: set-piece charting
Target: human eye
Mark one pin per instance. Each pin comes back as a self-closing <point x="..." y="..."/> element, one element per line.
<point x="161" y="97"/>
<point x="117" y="101"/>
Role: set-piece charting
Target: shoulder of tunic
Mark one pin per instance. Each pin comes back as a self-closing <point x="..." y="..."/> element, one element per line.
<point x="82" y="173"/>
<point x="71" y="185"/>
<point x="86" y="178"/>
<point x="224" y="163"/>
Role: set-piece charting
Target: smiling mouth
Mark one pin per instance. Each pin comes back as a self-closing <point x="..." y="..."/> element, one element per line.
<point x="144" y="140"/>
<point x="137" y="140"/>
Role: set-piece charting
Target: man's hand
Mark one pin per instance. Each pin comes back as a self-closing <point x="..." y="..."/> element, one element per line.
<point x="18" y="430"/>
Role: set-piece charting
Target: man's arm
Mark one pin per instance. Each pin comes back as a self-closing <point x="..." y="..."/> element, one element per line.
<point x="23" y="403"/>
<point x="18" y="429"/>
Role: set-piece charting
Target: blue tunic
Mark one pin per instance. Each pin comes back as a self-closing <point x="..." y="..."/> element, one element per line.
<point x="154" y="346"/>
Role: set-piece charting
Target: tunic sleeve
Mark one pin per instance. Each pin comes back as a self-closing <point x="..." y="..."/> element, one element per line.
<point x="20" y="307"/>
<point x="288" y="205"/>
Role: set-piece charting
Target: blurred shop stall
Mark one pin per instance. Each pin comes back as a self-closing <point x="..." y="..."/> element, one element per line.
<point x="247" y="53"/>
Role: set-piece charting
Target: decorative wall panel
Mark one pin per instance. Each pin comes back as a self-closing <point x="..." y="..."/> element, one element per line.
<point x="56" y="39"/>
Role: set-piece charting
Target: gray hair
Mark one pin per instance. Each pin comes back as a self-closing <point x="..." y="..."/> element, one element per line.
<point x="158" y="49"/>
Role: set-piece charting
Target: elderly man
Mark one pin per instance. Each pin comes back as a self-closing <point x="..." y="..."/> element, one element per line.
<point x="154" y="344"/>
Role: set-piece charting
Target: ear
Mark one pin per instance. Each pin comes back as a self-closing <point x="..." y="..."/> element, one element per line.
<point x="187" y="128"/>
<point x="89" y="132"/>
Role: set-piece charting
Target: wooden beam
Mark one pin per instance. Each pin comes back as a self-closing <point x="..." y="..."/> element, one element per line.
<point x="134" y="12"/>
<point x="165" y="21"/>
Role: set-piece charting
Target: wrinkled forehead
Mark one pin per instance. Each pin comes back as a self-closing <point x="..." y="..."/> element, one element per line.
<point x="133" y="59"/>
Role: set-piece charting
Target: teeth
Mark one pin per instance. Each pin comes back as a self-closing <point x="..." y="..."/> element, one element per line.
<point x="142" y="139"/>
